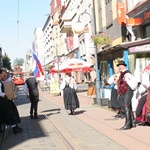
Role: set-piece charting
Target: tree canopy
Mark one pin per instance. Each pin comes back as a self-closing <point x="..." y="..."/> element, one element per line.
<point x="19" y="61"/>
<point x="6" y="62"/>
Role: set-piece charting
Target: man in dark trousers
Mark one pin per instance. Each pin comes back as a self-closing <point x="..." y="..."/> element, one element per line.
<point x="31" y="90"/>
<point x="126" y="84"/>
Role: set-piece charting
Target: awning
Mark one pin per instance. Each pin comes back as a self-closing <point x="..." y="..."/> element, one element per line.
<point x="134" y="21"/>
<point x="135" y="43"/>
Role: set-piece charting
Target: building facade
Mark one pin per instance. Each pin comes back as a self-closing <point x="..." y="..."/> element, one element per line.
<point x="125" y="22"/>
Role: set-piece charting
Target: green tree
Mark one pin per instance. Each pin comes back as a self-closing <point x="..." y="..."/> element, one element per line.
<point x="19" y="61"/>
<point x="6" y="62"/>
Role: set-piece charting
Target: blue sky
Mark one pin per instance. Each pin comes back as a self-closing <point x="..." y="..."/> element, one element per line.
<point x="16" y="38"/>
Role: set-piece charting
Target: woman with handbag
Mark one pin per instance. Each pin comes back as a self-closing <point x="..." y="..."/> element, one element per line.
<point x="70" y="97"/>
<point x="8" y="111"/>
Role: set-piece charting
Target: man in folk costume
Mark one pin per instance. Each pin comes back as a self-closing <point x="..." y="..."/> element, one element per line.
<point x="126" y="85"/>
<point x="114" y="93"/>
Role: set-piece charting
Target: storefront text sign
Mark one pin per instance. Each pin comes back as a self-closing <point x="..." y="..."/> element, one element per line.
<point x="140" y="49"/>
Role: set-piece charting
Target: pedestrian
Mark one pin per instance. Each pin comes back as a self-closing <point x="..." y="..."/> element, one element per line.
<point x="126" y="85"/>
<point x="142" y="90"/>
<point x="31" y="90"/>
<point x="70" y="97"/>
<point x="114" y="93"/>
<point x="9" y="114"/>
<point x="103" y="80"/>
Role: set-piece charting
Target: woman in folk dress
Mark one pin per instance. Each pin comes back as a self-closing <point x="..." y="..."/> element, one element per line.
<point x="69" y="87"/>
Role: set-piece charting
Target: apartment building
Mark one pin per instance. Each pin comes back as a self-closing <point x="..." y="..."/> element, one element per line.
<point x="125" y="22"/>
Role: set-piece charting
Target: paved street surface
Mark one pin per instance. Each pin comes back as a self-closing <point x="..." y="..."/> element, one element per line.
<point x="92" y="128"/>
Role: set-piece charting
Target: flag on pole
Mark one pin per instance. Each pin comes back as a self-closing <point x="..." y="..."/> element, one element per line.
<point x="38" y="71"/>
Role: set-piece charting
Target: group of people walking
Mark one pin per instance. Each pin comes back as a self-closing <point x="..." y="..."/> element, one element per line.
<point x="125" y="85"/>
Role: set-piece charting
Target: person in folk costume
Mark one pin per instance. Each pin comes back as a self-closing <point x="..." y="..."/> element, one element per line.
<point x="8" y="110"/>
<point x="69" y="87"/>
<point x="126" y="85"/>
<point x="114" y="93"/>
<point x="31" y="90"/>
<point x="144" y="89"/>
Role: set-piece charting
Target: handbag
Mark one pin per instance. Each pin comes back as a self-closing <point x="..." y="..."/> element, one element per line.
<point x="9" y="88"/>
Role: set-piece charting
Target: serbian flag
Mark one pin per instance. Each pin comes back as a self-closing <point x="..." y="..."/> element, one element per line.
<point x="38" y="71"/>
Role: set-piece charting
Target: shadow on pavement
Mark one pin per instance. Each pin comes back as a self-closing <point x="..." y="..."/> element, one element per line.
<point x="56" y="109"/>
<point x="79" y="112"/>
<point x="32" y="128"/>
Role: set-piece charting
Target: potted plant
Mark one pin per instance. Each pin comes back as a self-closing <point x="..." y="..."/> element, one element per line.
<point x="101" y="39"/>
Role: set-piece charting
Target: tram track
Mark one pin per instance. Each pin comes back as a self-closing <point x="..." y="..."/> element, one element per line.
<point x="70" y="146"/>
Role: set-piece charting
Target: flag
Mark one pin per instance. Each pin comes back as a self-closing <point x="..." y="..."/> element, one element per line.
<point x="37" y="68"/>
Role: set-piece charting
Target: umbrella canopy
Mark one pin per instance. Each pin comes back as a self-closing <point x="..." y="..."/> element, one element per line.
<point x="147" y="69"/>
<point x="73" y="64"/>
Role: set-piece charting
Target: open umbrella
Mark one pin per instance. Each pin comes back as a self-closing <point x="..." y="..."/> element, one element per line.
<point x="73" y="64"/>
<point x="147" y="69"/>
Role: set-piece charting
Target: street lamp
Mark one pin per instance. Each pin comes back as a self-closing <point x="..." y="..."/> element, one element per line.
<point x="58" y="66"/>
<point x="57" y="61"/>
<point x="79" y="28"/>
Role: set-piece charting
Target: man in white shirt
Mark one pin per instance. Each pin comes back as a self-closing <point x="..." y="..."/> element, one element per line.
<point x="126" y="85"/>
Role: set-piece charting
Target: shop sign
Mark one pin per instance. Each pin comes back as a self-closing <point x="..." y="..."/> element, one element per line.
<point x="120" y="12"/>
<point x="140" y="49"/>
<point x="69" y="42"/>
<point x="144" y="15"/>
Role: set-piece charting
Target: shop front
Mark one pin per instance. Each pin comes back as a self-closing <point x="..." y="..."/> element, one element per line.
<point x="139" y="56"/>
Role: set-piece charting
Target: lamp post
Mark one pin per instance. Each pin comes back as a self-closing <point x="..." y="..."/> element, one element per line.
<point x="58" y="66"/>
<point x="79" y="28"/>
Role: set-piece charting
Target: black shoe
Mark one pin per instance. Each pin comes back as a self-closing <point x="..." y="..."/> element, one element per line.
<point x="117" y="116"/>
<point x="141" y="123"/>
<point x="17" y="129"/>
<point x="31" y="116"/>
<point x="73" y="113"/>
<point x="126" y="127"/>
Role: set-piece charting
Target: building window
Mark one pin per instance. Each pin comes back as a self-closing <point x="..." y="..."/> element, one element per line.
<point x="100" y="14"/>
<point x="109" y="14"/>
<point x="148" y="31"/>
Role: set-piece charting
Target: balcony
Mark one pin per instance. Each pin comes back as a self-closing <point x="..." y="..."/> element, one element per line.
<point x="65" y="26"/>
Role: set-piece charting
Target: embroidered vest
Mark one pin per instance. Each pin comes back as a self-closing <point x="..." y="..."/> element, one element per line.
<point x="122" y="84"/>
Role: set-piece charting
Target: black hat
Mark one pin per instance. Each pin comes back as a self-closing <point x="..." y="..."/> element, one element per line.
<point x="121" y="62"/>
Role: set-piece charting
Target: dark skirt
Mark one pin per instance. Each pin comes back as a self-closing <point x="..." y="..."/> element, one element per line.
<point x="141" y="110"/>
<point x="8" y="112"/>
<point x="114" y="99"/>
<point x="71" y="100"/>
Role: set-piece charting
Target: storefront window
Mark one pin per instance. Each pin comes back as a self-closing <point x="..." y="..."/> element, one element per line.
<point x="148" y="31"/>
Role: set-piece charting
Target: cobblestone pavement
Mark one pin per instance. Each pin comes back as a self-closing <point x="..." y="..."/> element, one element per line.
<point x="92" y="128"/>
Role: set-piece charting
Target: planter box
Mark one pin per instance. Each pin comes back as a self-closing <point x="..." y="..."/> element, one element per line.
<point x="109" y="104"/>
<point x="104" y="101"/>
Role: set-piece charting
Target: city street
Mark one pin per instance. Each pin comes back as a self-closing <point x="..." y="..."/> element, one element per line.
<point x="92" y="128"/>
